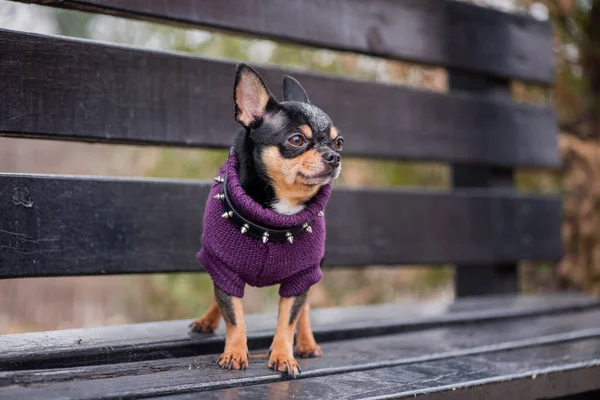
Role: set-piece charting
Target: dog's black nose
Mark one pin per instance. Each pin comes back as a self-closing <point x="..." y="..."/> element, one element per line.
<point x="332" y="158"/>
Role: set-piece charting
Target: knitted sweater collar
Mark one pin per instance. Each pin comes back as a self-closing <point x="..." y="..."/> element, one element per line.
<point x="266" y="216"/>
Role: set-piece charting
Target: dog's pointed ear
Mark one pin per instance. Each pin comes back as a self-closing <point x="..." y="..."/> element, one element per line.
<point x="251" y="96"/>
<point x="293" y="90"/>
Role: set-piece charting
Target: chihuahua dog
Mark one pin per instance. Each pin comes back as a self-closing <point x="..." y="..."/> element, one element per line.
<point x="264" y="221"/>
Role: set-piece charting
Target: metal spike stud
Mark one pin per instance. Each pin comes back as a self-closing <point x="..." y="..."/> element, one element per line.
<point x="219" y="179"/>
<point x="219" y="196"/>
<point x="245" y="228"/>
<point x="321" y="214"/>
<point x="307" y="228"/>
<point x="227" y="214"/>
<point x="265" y="237"/>
<point x="289" y="237"/>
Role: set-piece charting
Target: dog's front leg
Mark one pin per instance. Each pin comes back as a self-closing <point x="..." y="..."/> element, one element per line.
<point x="306" y="345"/>
<point x="235" y="355"/>
<point x="282" y="349"/>
<point x="209" y="321"/>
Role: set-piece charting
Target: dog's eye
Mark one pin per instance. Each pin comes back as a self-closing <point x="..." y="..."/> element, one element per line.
<point x="338" y="144"/>
<point x="296" y="140"/>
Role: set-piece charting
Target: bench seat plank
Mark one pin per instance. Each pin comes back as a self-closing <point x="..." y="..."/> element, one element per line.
<point x="506" y="45"/>
<point x="69" y="226"/>
<point x="154" y="340"/>
<point x="404" y="353"/>
<point x="529" y="374"/>
<point x="74" y="90"/>
<point x="385" y="350"/>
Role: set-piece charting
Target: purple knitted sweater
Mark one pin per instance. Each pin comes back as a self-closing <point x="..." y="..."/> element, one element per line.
<point x="233" y="259"/>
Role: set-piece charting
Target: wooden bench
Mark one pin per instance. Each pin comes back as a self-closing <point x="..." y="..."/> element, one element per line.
<point x="496" y="346"/>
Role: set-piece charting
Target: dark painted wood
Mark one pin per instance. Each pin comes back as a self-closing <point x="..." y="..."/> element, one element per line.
<point x="76" y="90"/>
<point x="442" y="342"/>
<point x="500" y="341"/>
<point x="60" y="226"/>
<point x="524" y="374"/>
<point x="445" y="33"/>
<point x="595" y="394"/>
<point x="473" y="280"/>
<point x="349" y="355"/>
<point x="160" y="340"/>
<point x="482" y="280"/>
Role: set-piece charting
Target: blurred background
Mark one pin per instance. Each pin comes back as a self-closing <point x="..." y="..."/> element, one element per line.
<point x="60" y="303"/>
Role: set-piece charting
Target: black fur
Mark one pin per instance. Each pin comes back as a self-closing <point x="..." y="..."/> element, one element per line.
<point x="293" y="90"/>
<point x="226" y="305"/>
<point x="280" y="121"/>
<point x="297" y="307"/>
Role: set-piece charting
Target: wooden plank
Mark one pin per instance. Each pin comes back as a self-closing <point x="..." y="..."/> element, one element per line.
<point x="445" y="33"/>
<point x="530" y="374"/>
<point x="472" y="280"/>
<point x="160" y="340"/>
<point x="504" y="340"/>
<point x="71" y="89"/>
<point x="346" y="356"/>
<point x="64" y="226"/>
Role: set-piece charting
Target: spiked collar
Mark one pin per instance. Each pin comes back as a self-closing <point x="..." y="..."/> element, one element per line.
<point x="259" y="222"/>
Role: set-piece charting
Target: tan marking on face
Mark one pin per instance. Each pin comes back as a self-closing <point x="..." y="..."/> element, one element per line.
<point x="251" y="98"/>
<point x="286" y="182"/>
<point x="307" y="131"/>
<point x="333" y="133"/>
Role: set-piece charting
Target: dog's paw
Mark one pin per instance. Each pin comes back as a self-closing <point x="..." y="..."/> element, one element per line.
<point x="232" y="359"/>
<point x="285" y="363"/>
<point x="203" y="325"/>
<point x="308" y="350"/>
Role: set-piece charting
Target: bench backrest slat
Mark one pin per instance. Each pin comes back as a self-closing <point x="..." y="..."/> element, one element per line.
<point x="446" y="33"/>
<point x="74" y="89"/>
<point x="81" y="226"/>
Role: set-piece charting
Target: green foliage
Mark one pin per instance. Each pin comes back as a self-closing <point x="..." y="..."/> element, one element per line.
<point x="188" y="164"/>
<point x="177" y="296"/>
<point x="434" y="278"/>
<point x="413" y="174"/>
<point x="535" y="181"/>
